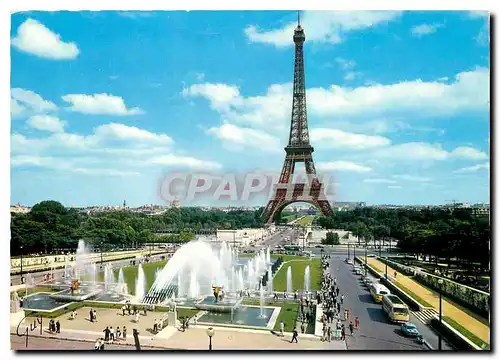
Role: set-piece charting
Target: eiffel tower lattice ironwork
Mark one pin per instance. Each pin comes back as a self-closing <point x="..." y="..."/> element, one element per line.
<point x="298" y="149"/>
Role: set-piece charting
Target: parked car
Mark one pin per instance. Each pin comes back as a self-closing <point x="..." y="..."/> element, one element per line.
<point x="409" y="329"/>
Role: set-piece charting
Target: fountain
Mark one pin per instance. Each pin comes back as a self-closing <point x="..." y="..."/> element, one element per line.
<point x="140" y="284"/>
<point x="307" y="279"/>
<point x="270" y="280"/>
<point x="109" y="277"/>
<point x="289" y="288"/>
<point x="261" y="314"/>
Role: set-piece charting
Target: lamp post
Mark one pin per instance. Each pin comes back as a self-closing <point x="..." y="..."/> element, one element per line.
<point x="21" y="247"/>
<point x="100" y="247"/>
<point x="348" y="250"/>
<point x="210" y="333"/>
<point x="440" y="282"/>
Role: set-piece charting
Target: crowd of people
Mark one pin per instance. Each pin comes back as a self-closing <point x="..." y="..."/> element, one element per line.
<point x="332" y="301"/>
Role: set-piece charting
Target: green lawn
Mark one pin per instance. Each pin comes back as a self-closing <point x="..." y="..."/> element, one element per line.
<point x="466" y="333"/>
<point x="298" y="268"/>
<point x="130" y="274"/>
<point x="306" y="220"/>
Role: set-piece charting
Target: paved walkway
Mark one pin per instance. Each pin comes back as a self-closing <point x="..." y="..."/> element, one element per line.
<point x="195" y="338"/>
<point x="450" y="309"/>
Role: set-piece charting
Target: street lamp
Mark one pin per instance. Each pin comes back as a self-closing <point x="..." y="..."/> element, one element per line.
<point x="366" y="256"/>
<point x="440" y="282"/>
<point x="100" y="247"/>
<point x="348" y="250"/>
<point x="210" y="333"/>
<point x="21" y="247"/>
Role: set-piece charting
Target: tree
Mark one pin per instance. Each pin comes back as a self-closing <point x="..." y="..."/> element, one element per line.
<point x="332" y="238"/>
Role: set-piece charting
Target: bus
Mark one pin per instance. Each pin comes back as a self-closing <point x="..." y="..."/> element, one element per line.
<point x="377" y="291"/>
<point x="395" y="308"/>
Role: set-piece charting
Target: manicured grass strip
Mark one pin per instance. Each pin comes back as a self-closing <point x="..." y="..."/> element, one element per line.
<point x="298" y="269"/>
<point x="466" y="333"/>
<point x="306" y="220"/>
<point x="288" y="314"/>
<point x="413" y="295"/>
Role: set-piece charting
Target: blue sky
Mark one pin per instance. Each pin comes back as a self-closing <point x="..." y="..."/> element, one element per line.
<point x="104" y="104"/>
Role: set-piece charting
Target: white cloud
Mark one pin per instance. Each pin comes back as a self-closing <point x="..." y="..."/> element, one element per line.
<point x="351" y="75"/>
<point x="424" y="29"/>
<point x="379" y="181"/>
<point x="245" y="137"/>
<point x="184" y="161"/>
<point x="470" y="91"/>
<point x="23" y="100"/>
<point x="407" y="177"/>
<point x="46" y="123"/>
<point x="424" y="151"/>
<point x="221" y="96"/>
<point x="394" y="187"/>
<point x="16" y="108"/>
<point x="115" y="131"/>
<point x="34" y="38"/>
<point x="105" y="172"/>
<point x="465" y="152"/>
<point x="345" y="64"/>
<point x="104" y="104"/>
<point x="474" y="168"/>
<point x="322" y="26"/>
<point x="343" y="166"/>
<point x="333" y="138"/>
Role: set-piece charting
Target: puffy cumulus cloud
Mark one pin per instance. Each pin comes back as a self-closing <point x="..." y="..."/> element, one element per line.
<point x="115" y="131"/>
<point x="322" y="26"/>
<point x="471" y="169"/>
<point x="469" y="91"/>
<point x="184" y="161"/>
<point x="424" y="151"/>
<point x="96" y="104"/>
<point x="271" y="110"/>
<point x="22" y="100"/>
<point x="424" y="29"/>
<point x="466" y="152"/>
<point x="46" y="123"/>
<point x="117" y="144"/>
<point x="333" y="138"/>
<point x="36" y="39"/>
<point x="346" y="166"/>
<point x="241" y="137"/>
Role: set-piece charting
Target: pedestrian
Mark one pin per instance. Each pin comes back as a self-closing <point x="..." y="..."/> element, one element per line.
<point x="294" y="336"/>
<point x="124" y="333"/>
<point x="303" y="327"/>
<point x="111" y="335"/>
<point x="329" y="333"/>
<point x="338" y="308"/>
<point x="155" y="326"/>
<point x="58" y="327"/>
<point x="118" y="333"/>
<point x="342" y="299"/>
<point x="395" y="274"/>
<point x="97" y="345"/>
<point x="123" y="310"/>
<point x="91" y="315"/>
<point x="351" y="327"/>
<point x="323" y="338"/>
<point x="346" y="314"/>
<point x="335" y="281"/>
<point x="106" y="334"/>
<point x="342" y="332"/>
<point x="337" y="291"/>
<point x="356" y="322"/>
<point x="95" y="315"/>
<point x="282" y="328"/>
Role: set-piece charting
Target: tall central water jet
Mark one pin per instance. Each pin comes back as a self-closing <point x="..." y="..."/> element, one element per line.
<point x="270" y="280"/>
<point x="307" y="279"/>
<point x="289" y="288"/>
<point x="261" y="315"/>
<point x="140" y="284"/>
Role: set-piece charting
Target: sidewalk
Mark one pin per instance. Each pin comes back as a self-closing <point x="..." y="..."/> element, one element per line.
<point x="475" y="326"/>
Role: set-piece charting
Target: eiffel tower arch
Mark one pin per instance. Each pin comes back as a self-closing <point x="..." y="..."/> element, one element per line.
<point x="299" y="149"/>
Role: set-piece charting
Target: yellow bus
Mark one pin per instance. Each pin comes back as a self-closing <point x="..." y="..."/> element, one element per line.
<point x="377" y="291"/>
<point x="395" y="308"/>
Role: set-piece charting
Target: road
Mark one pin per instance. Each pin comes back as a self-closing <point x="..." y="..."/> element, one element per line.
<point x="375" y="332"/>
<point x="44" y="343"/>
<point x="278" y="238"/>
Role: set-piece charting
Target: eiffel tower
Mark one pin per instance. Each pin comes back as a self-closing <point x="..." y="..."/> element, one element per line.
<point x="299" y="149"/>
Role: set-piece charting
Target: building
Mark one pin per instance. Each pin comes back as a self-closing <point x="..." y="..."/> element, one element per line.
<point x="242" y="237"/>
<point x="176" y="204"/>
<point x="19" y="209"/>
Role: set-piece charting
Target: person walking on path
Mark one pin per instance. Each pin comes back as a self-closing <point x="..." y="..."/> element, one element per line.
<point x="111" y="335"/>
<point x="282" y="328"/>
<point x="337" y="291"/>
<point x="342" y="332"/>
<point x="342" y="299"/>
<point x="58" y="327"/>
<point x="294" y="336"/>
<point x="124" y="333"/>
<point x="356" y="322"/>
<point x="155" y="326"/>
<point x="91" y="315"/>
<point x="351" y="327"/>
<point x="95" y="315"/>
<point x="106" y="334"/>
<point x="329" y="333"/>
<point x="303" y="327"/>
<point x="335" y="281"/>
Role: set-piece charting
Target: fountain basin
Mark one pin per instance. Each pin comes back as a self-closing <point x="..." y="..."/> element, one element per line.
<point x="225" y="306"/>
<point x="243" y="316"/>
<point x="83" y="294"/>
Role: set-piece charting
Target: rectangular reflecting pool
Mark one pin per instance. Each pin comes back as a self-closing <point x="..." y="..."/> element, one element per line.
<point x="244" y="316"/>
<point x="41" y="301"/>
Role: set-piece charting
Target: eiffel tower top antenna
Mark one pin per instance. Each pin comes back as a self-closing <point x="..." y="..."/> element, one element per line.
<point x="298" y="17"/>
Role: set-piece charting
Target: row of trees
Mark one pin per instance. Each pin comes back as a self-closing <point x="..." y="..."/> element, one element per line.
<point x="50" y="226"/>
<point x="437" y="233"/>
